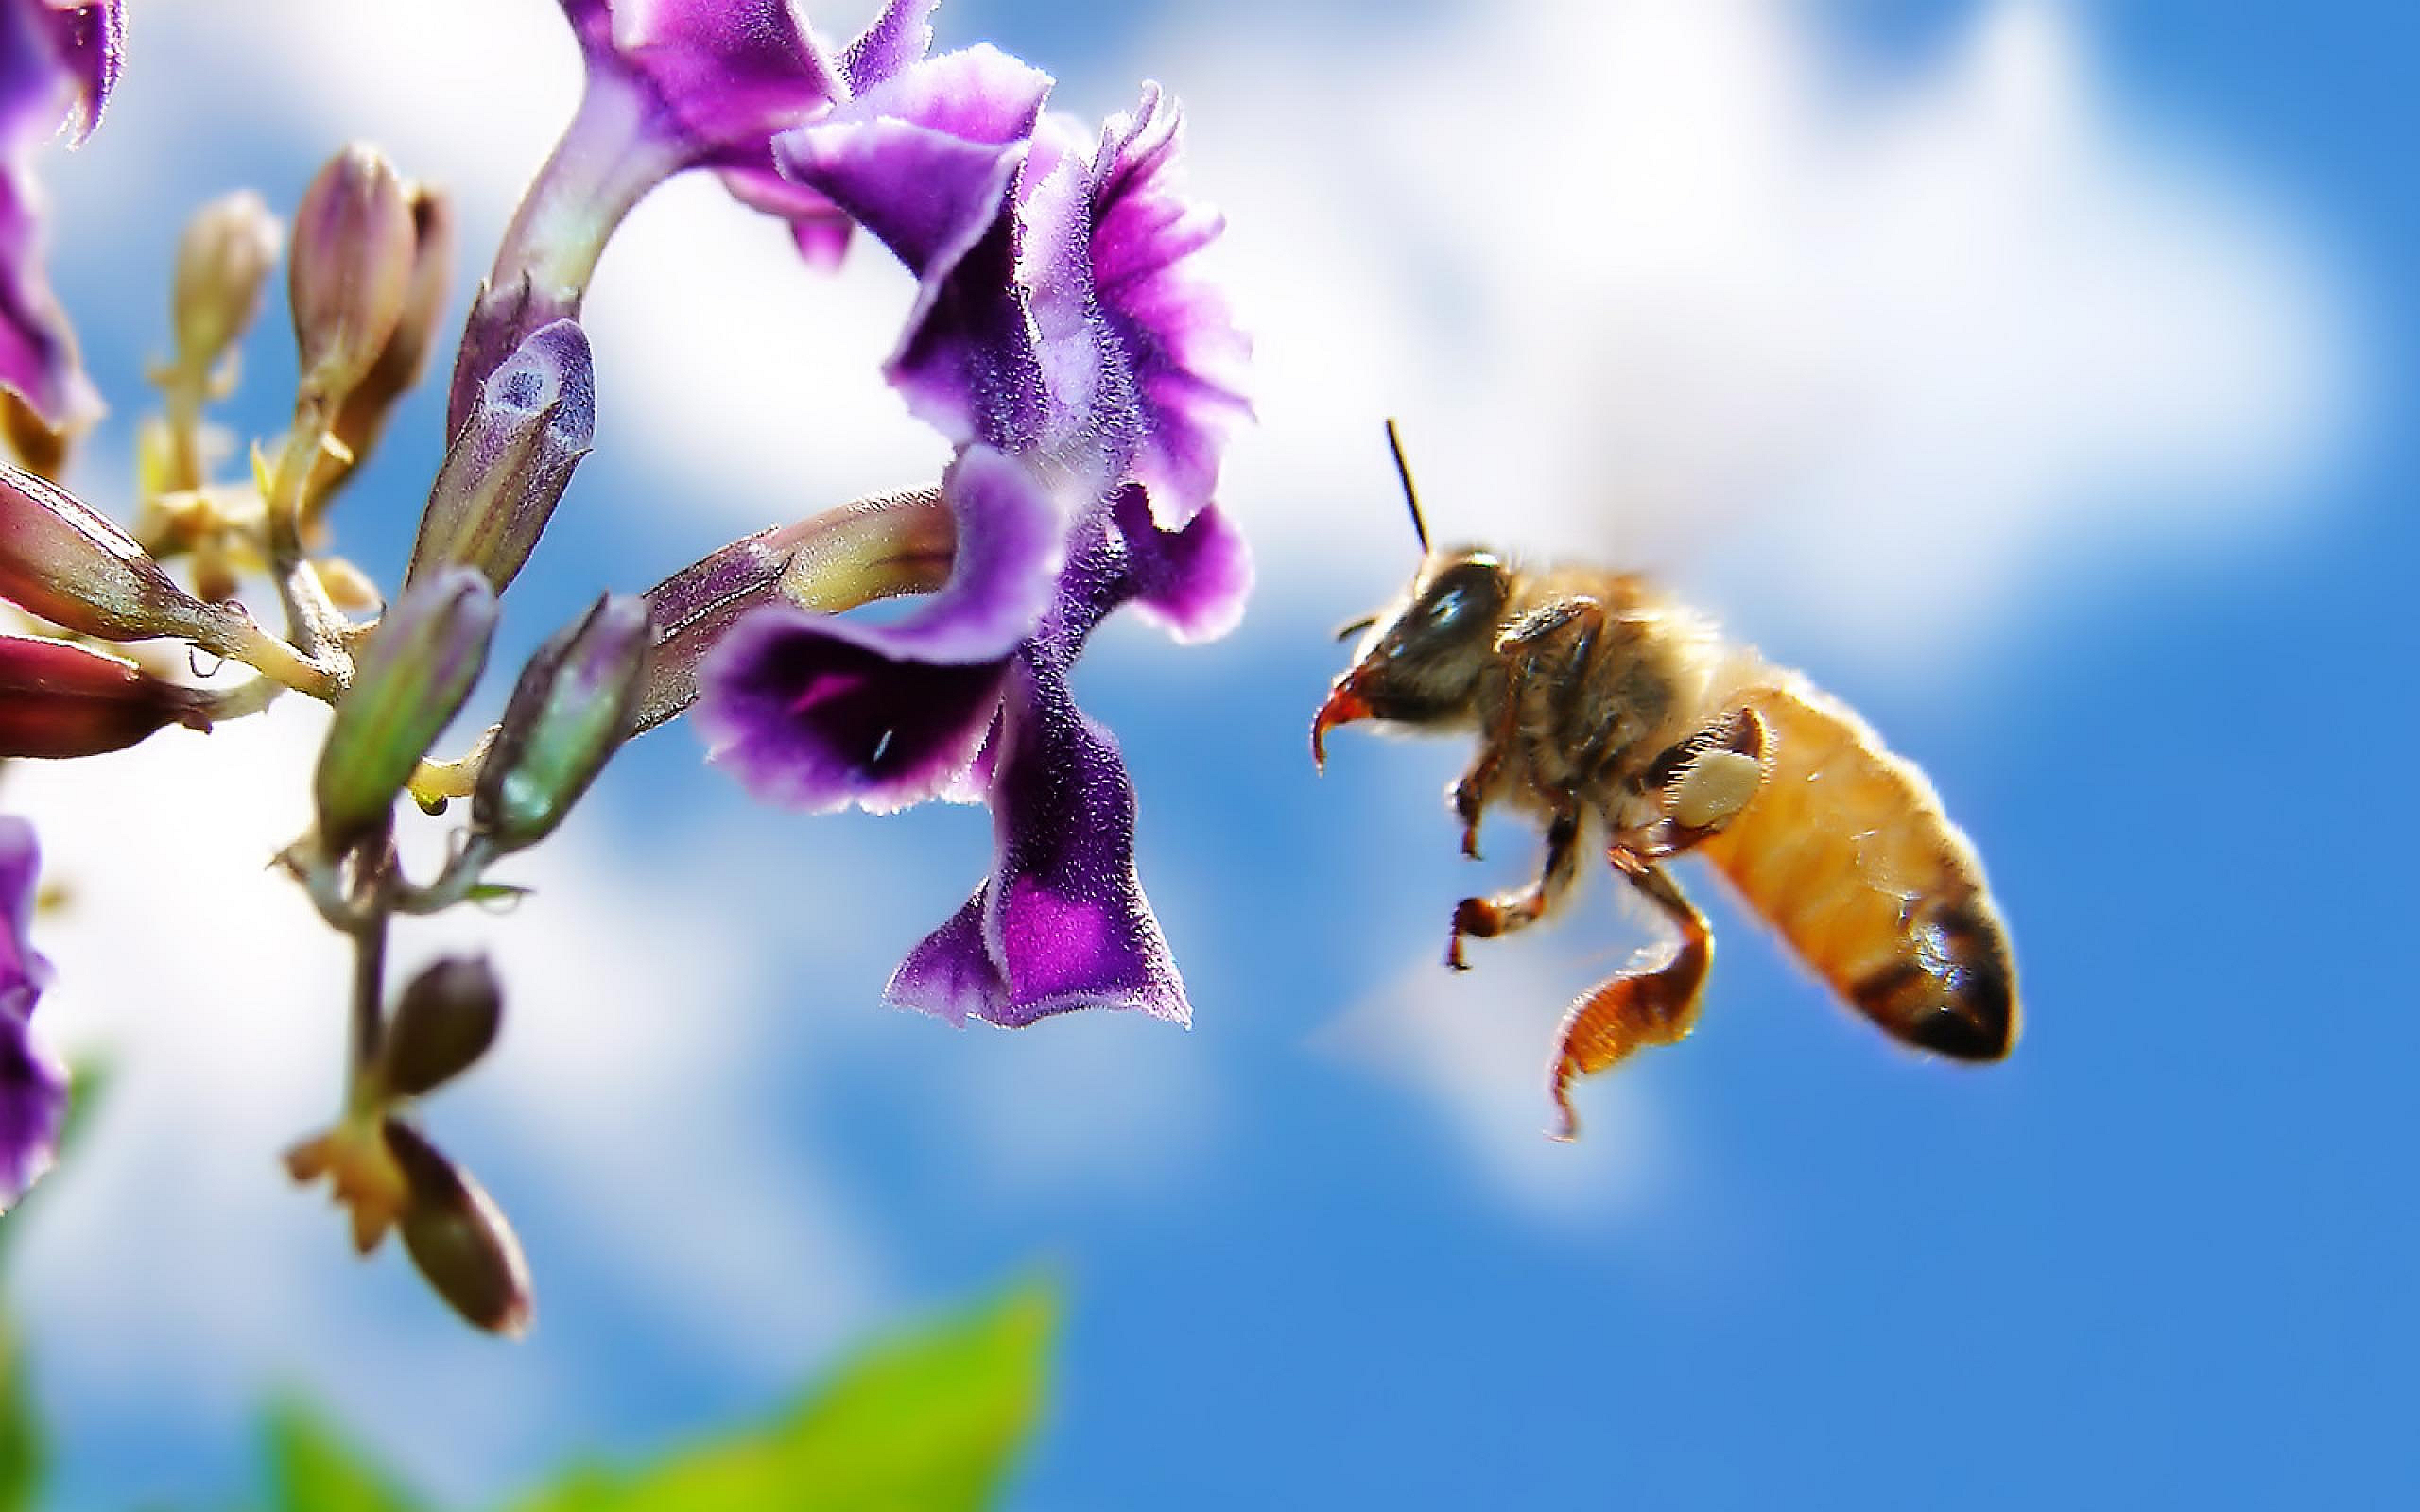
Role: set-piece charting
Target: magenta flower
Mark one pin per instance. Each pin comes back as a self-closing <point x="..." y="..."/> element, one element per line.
<point x="57" y="63"/>
<point x="1060" y="339"/>
<point x="33" y="1086"/>
<point x="673" y="85"/>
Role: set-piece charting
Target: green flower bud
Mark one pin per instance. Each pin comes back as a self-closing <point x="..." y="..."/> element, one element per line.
<point x="460" y="1239"/>
<point x="223" y="261"/>
<point x="72" y="566"/>
<point x="447" y="1019"/>
<point x="511" y="460"/>
<point x="573" y="708"/>
<point x="352" y="268"/>
<point x="58" y="700"/>
<point x="421" y="663"/>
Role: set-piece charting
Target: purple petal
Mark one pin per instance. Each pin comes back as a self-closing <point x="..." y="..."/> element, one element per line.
<point x="819" y="712"/>
<point x="713" y="81"/>
<point x="926" y="161"/>
<point x="91" y="41"/>
<point x="725" y="74"/>
<point x="1064" y="921"/>
<point x="1192" y="582"/>
<point x="33" y="1086"/>
<point x="951" y="973"/>
<point x="37" y="347"/>
<point x="810" y="716"/>
<point x="896" y="41"/>
<point x="1179" y="340"/>
<point x="817" y="227"/>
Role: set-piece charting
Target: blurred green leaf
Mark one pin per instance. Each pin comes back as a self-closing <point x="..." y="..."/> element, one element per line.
<point x="312" y="1470"/>
<point x="927" y="1421"/>
<point x="22" y="1453"/>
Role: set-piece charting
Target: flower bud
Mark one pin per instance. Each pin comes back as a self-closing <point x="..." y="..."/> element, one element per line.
<point x="509" y="464"/>
<point x="362" y="418"/>
<point x="459" y="1238"/>
<point x="572" y="708"/>
<point x="898" y="544"/>
<point x="223" y="261"/>
<point x="58" y="700"/>
<point x="66" y="561"/>
<point x="420" y="664"/>
<point x="351" y="271"/>
<point x="444" y="1023"/>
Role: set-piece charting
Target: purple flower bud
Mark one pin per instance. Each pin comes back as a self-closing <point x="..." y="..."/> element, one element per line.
<point x="460" y="1239"/>
<point x="419" y="667"/>
<point x="362" y="418"/>
<point x="511" y="460"/>
<point x="58" y="700"/>
<point x="352" y="268"/>
<point x="66" y="561"/>
<point x="447" y="1019"/>
<point x="223" y="261"/>
<point x="572" y="708"/>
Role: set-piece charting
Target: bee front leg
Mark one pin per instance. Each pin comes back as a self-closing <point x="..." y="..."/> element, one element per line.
<point x="1506" y="912"/>
<point x="1656" y="1004"/>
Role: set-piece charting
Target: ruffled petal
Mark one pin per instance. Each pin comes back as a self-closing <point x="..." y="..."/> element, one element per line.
<point x="1064" y="924"/>
<point x="893" y="42"/>
<point x="814" y="713"/>
<point x="818" y="228"/>
<point x="821" y="712"/>
<point x="951" y="973"/>
<point x="926" y="163"/>
<point x="38" y="356"/>
<point x="1176" y="335"/>
<point x="41" y="79"/>
<point x="33" y="1086"/>
<point x="91" y="41"/>
<point x="1192" y="582"/>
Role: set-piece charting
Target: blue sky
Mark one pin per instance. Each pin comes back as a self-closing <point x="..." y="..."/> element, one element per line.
<point x="2149" y="643"/>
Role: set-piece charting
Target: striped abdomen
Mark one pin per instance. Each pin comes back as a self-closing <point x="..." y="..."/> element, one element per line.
<point x="1846" y="852"/>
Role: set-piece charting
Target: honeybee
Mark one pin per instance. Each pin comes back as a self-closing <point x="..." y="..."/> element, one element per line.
<point x="1612" y="713"/>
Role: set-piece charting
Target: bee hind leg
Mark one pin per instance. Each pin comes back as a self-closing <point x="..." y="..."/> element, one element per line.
<point x="1656" y="1005"/>
<point x="1503" y="914"/>
<point x="1701" y="784"/>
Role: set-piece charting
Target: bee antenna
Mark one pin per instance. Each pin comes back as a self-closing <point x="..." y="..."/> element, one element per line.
<point x="1411" y="495"/>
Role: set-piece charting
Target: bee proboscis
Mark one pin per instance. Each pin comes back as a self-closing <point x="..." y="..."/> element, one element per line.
<point x="1612" y="711"/>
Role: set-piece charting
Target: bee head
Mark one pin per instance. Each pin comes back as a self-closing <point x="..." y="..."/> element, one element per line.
<point x="1421" y="662"/>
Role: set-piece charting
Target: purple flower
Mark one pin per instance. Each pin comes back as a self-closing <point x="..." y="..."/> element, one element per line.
<point x="33" y="1086"/>
<point x="1061" y="339"/>
<point x="673" y="85"/>
<point x="57" y="63"/>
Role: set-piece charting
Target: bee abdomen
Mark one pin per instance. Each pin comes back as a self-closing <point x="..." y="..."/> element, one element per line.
<point x="1846" y="852"/>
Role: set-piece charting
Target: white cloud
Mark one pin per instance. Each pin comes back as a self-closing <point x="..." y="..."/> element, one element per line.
<point x="1665" y="282"/>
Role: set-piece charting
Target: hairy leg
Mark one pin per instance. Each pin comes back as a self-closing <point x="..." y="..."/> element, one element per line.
<point x="1656" y="1005"/>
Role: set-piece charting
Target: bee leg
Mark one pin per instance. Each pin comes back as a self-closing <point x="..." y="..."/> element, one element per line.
<point x="1653" y="1006"/>
<point x="1506" y="912"/>
<point x="1703" y="783"/>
